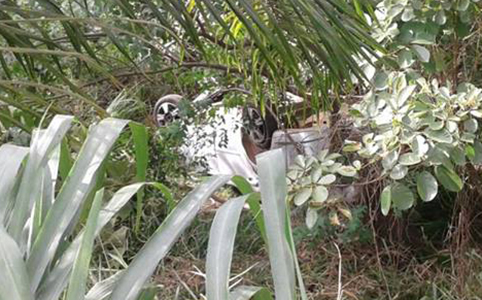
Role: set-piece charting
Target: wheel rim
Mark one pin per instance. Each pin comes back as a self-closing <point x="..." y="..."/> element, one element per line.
<point x="256" y="126"/>
<point x="166" y="114"/>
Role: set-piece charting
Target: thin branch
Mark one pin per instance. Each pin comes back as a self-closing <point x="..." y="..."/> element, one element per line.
<point x="167" y="69"/>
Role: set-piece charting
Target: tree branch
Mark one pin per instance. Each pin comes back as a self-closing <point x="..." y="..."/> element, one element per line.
<point x="167" y="69"/>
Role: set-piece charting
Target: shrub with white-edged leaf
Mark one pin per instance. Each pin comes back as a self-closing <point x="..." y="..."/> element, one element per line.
<point x="421" y="133"/>
<point x="309" y="180"/>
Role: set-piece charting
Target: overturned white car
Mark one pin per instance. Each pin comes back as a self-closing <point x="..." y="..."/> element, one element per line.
<point x="246" y="132"/>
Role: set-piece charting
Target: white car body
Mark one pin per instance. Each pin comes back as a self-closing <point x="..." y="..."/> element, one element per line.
<point x="231" y="158"/>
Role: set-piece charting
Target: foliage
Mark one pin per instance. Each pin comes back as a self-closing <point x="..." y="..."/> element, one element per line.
<point x="309" y="182"/>
<point x="436" y="34"/>
<point x="348" y="231"/>
<point x="418" y="130"/>
<point x="37" y="222"/>
<point x="127" y="106"/>
<point x="39" y="227"/>
<point x="56" y="52"/>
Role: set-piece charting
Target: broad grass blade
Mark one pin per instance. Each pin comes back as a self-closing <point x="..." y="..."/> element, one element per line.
<point x="103" y="289"/>
<point x="42" y="147"/>
<point x="80" y="182"/>
<point x="14" y="283"/>
<point x="44" y="203"/>
<point x="221" y="247"/>
<point x="145" y="262"/>
<point x="80" y="271"/>
<point x="11" y="158"/>
<point x="272" y="177"/>
<point x="56" y="281"/>
<point x="141" y="139"/>
<point x="254" y="204"/>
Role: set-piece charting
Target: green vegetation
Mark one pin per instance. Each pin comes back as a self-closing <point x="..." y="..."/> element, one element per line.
<point x="106" y="205"/>
<point x="38" y="223"/>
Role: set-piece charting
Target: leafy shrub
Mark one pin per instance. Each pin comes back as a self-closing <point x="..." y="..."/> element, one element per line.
<point x="309" y="181"/>
<point x="407" y="27"/>
<point x="421" y="133"/>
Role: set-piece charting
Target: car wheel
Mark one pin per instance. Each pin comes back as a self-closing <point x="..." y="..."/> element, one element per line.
<point x="166" y="110"/>
<point x="260" y="129"/>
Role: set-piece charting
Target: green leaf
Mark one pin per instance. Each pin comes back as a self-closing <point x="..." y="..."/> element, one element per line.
<point x="56" y="281"/>
<point x="476" y="113"/>
<point x="327" y="179"/>
<point x="458" y="156"/>
<point x="440" y="17"/>
<point x="402" y="197"/>
<point x="242" y="185"/>
<point x="462" y="5"/>
<point x="449" y="179"/>
<point x="422" y="53"/>
<point x="74" y="191"/>
<point x="65" y="163"/>
<point x="254" y="203"/>
<point x="408" y="14"/>
<point x="436" y="125"/>
<point x="316" y="174"/>
<point x="320" y="194"/>
<point x="141" y="148"/>
<point x="42" y="147"/>
<point x="386" y="200"/>
<point x="14" y="282"/>
<point x="420" y="146"/>
<point x="405" y="93"/>
<point x="390" y="160"/>
<point x="441" y="136"/>
<point x="145" y="262"/>
<point x="271" y="170"/>
<point x="471" y="125"/>
<point x="11" y="158"/>
<point x="311" y="217"/>
<point x="381" y="81"/>
<point x="221" y="247"/>
<point x="477" y="158"/>
<point x="470" y="152"/>
<point x="302" y="196"/>
<point x="101" y="290"/>
<point x="398" y="172"/>
<point x="409" y="159"/>
<point x="250" y="293"/>
<point x="353" y="147"/>
<point x="439" y="156"/>
<point x="427" y="186"/>
<point x="405" y="58"/>
<point x="80" y="271"/>
<point x="347" y="171"/>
